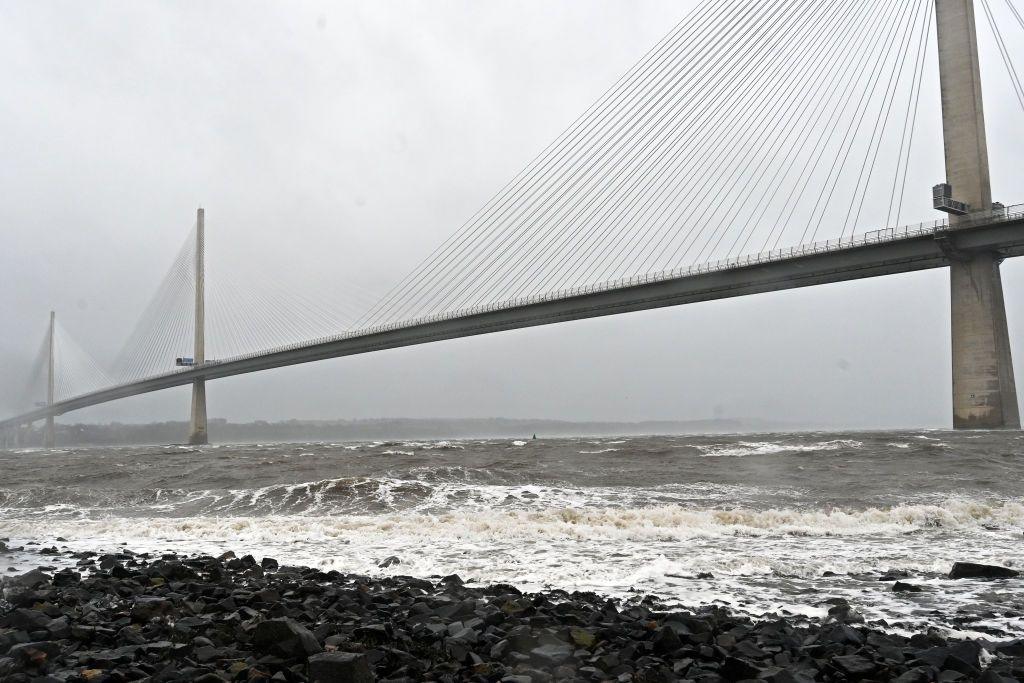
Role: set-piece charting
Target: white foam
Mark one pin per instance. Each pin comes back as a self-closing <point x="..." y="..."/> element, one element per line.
<point x="744" y="448"/>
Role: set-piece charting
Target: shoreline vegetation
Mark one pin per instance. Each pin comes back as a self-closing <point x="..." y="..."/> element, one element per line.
<point x="223" y="431"/>
<point x="135" y="616"/>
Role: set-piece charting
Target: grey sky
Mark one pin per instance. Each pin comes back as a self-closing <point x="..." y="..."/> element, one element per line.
<point x="335" y="143"/>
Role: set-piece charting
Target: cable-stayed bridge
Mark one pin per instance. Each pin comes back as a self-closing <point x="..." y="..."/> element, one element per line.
<point x="750" y="126"/>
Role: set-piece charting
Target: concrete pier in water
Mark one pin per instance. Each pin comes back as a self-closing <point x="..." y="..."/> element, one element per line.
<point x="984" y="390"/>
<point x="197" y="423"/>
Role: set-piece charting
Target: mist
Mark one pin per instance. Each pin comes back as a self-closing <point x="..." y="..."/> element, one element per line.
<point x="334" y="145"/>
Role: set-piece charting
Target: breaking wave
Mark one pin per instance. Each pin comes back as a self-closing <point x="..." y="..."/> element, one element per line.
<point x="744" y="448"/>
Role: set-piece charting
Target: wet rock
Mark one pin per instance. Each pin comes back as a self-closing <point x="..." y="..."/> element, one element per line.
<point x="900" y="587"/>
<point x="149" y="607"/>
<point x="666" y="640"/>
<point x="197" y="618"/>
<point x="26" y="619"/>
<point x="285" y="638"/>
<point x="31" y="579"/>
<point x="339" y="667"/>
<point x="582" y="637"/>
<point x="34" y="654"/>
<point x="854" y="665"/>
<point x="389" y="561"/>
<point x="552" y="654"/>
<point x="971" y="570"/>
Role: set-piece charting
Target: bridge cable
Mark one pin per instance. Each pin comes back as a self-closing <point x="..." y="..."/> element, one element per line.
<point x="726" y="137"/>
<point x="605" y="228"/>
<point x="678" y="257"/>
<point x="1004" y="53"/>
<point x="907" y="142"/>
<point x="553" y="153"/>
<point x="631" y="119"/>
<point x="720" y="230"/>
<point x="642" y="163"/>
<point x="847" y="144"/>
<point x="601" y="179"/>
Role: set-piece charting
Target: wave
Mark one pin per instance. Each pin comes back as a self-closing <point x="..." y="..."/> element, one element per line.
<point x="428" y="490"/>
<point x="664" y="522"/>
<point x="744" y="448"/>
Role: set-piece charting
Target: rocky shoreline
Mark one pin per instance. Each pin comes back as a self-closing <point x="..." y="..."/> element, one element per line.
<point x="128" y="616"/>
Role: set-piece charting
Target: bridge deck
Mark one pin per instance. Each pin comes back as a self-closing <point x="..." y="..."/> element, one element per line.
<point x="872" y="254"/>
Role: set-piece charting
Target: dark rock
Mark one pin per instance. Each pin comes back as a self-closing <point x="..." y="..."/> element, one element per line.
<point x="1014" y="648"/>
<point x="388" y="561"/>
<point x="36" y="654"/>
<point x="666" y="640"/>
<point x="339" y="667"/>
<point x="285" y="638"/>
<point x="900" y="587"/>
<point x="552" y="654"/>
<point x="26" y="619"/>
<point x="917" y="675"/>
<point x="32" y="579"/>
<point x="736" y="669"/>
<point x="855" y="665"/>
<point x="149" y="607"/>
<point x="971" y="570"/>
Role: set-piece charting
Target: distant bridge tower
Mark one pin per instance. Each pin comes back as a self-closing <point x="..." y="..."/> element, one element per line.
<point x="197" y="428"/>
<point x="49" y="432"/>
<point x="984" y="391"/>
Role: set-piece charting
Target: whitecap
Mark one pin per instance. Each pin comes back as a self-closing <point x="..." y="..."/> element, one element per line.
<point x="745" y="448"/>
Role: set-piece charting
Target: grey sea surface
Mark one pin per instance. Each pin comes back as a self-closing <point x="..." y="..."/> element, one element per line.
<point x="769" y="523"/>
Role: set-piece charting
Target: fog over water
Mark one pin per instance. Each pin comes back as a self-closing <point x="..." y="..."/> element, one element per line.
<point x="336" y="143"/>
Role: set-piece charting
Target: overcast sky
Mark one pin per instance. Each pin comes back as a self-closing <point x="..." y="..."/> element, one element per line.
<point x="339" y="142"/>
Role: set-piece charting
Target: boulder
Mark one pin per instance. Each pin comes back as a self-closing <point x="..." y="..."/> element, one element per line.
<point x="34" y="654"/>
<point x="285" y="638"/>
<point x="971" y="570"/>
<point x="900" y="587"/>
<point x="339" y="667"/>
<point x="854" y="665"/>
<point x="149" y="607"/>
<point x="32" y="579"/>
<point x="552" y="654"/>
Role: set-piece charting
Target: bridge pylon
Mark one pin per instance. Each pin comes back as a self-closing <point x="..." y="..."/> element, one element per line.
<point x="197" y="424"/>
<point x="49" y="432"/>
<point x="984" y="390"/>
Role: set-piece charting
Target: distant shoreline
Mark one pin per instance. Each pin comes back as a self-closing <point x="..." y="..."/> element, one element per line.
<point x="223" y="431"/>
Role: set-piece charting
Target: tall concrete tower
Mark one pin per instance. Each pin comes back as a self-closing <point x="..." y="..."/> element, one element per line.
<point x="197" y="428"/>
<point x="49" y="432"/>
<point x="984" y="391"/>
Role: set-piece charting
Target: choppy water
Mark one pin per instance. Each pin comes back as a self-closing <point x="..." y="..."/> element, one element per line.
<point x="755" y="522"/>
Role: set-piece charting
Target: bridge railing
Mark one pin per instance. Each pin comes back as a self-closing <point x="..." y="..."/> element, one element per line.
<point x="836" y="244"/>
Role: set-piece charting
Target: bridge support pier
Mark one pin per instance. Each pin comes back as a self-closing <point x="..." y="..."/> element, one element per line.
<point x="197" y="425"/>
<point x="49" y="432"/>
<point x="984" y="391"/>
